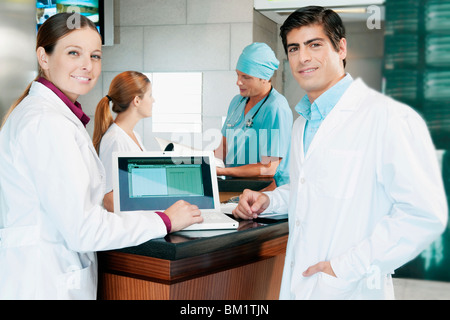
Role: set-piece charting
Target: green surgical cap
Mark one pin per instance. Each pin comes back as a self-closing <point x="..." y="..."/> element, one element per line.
<point x="258" y="60"/>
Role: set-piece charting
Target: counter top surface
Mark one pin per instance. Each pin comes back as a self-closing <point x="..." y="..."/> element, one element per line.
<point x="185" y="244"/>
<point x="230" y="184"/>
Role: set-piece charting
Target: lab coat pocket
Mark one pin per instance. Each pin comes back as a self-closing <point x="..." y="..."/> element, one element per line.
<point x="331" y="288"/>
<point x="339" y="173"/>
<point x="77" y="284"/>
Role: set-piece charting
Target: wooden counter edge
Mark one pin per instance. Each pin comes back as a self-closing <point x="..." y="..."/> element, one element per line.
<point x="173" y="271"/>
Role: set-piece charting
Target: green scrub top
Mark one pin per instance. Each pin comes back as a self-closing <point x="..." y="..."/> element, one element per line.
<point x="268" y="136"/>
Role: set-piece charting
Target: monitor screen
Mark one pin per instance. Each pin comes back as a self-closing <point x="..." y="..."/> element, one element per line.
<point x="155" y="183"/>
<point x="92" y="9"/>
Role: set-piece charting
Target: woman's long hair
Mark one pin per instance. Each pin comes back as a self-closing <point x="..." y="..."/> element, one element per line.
<point x="48" y="35"/>
<point x="123" y="89"/>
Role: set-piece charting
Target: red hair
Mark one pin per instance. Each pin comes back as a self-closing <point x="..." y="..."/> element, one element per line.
<point x="123" y="89"/>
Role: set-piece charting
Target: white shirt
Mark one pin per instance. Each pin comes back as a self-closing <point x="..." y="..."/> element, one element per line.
<point x="367" y="196"/>
<point x="116" y="139"/>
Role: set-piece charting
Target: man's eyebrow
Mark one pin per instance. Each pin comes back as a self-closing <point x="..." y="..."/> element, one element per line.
<point x="296" y="44"/>
<point x="313" y="40"/>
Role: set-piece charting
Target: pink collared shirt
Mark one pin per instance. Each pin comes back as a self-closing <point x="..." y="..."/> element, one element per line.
<point x="74" y="107"/>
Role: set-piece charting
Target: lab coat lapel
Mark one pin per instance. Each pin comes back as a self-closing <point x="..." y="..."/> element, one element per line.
<point x="55" y="102"/>
<point x="302" y="133"/>
<point x="346" y="106"/>
<point x="62" y="108"/>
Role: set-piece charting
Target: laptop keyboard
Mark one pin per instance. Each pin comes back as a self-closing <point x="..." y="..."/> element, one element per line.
<point x="208" y="217"/>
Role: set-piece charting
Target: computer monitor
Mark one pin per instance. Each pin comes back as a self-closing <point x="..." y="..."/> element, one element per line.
<point x="156" y="180"/>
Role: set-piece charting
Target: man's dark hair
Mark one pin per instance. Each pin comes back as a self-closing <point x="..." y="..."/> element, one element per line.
<point x="330" y="20"/>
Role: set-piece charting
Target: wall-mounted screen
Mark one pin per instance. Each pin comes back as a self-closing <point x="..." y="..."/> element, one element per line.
<point x="98" y="11"/>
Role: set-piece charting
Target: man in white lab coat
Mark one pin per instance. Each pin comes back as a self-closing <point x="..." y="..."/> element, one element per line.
<point x="365" y="193"/>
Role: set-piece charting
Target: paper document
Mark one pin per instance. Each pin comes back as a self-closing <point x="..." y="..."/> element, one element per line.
<point x="167" y="145"/>
<point x="228" y="208"/>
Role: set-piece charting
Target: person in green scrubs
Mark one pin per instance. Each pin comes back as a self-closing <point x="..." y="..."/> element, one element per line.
<point x="257" y="130"/>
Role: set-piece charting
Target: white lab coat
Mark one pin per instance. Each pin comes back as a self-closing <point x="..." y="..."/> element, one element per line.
<point x="116" y="139"/>
<point x="51" y="218"/>
<point x="368" y="197"/>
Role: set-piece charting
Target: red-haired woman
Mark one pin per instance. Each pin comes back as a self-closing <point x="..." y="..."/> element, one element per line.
<point x="130" y="94"/>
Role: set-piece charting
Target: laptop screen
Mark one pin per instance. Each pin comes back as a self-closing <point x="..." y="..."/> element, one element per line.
<point x="155" y="183"/>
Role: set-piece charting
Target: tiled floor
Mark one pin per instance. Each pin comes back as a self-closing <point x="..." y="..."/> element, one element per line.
<point x="407" y="289"/>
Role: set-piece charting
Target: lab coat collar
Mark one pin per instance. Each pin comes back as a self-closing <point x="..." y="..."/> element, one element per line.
<point x="322" y="106"/>
<point x="38" y="89"/>
<point x="345" y="107"/>
<point x="75" y="107"/>
<point x="43" y="91"/>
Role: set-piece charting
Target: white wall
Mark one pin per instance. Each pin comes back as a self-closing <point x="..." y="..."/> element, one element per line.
<point x="17" y="50"/>
<point x="178" y="35"/>
<point x="267" y="31"/>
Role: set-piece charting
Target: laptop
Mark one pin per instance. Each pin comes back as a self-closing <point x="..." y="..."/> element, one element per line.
<point x="153" y="181"/>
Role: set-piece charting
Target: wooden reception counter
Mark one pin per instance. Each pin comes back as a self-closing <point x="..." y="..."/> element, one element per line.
<point x="246" y="263"/>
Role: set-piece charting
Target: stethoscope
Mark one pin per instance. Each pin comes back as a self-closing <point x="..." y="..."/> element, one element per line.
<point x="249" y="122"/>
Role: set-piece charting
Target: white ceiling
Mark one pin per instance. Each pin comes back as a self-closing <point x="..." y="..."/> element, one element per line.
<point x="349" y="10"/>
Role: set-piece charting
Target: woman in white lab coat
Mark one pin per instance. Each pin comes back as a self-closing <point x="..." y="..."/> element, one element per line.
<point x="130" y="93"/>
<point x="52" y="181"/>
